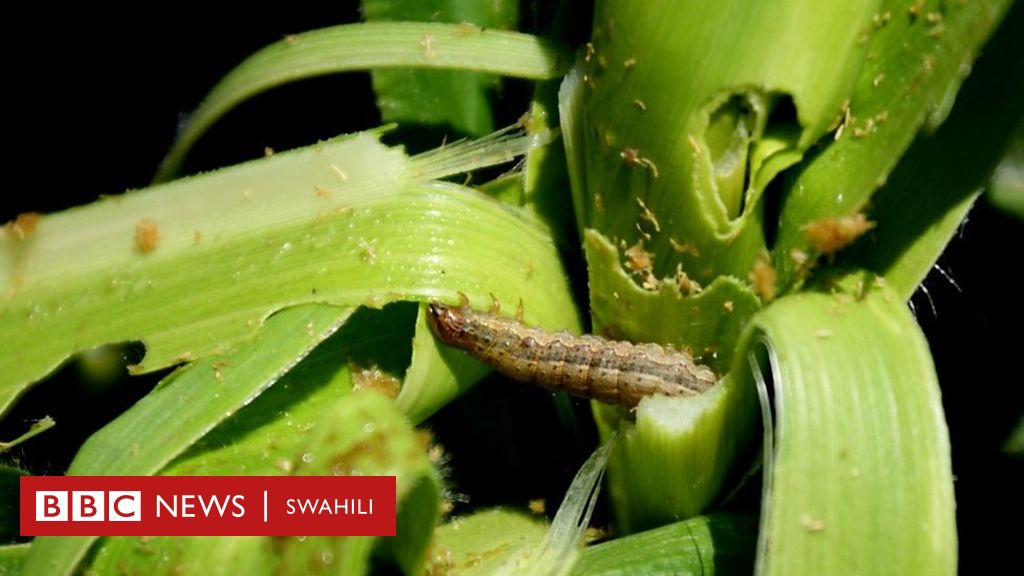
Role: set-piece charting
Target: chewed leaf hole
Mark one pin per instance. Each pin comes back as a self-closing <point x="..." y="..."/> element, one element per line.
<point x="750" y="137"/>
<point x="730" y="132"/>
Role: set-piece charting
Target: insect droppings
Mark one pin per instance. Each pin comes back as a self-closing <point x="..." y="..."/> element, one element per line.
<point x="632" y="157"/>
<point x="147" y="235"/>
<point x="763" y="279"/>
<point x="614" y="372"/>
<point x="830" y="235"/>
<point x="24" y="225"/>
<point x="373" y="378"/>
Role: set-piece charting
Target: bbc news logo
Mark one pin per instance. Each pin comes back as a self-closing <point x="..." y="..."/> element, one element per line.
<point x="88" y="506"/>
<point x="208" y="505"/>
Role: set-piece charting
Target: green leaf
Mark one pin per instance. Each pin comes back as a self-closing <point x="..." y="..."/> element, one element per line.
<point x="708" y="323"/>
<point x="269" y="436"/>
<point x="654" y="146"/>
<point x="484" y="542"/>
<point x="545" y="172"/>
<point x="914" y="69"/>
<point x="368" y="279"/>
<point x="189" y="404"/>
<point x="159" y="555"/>
<point x="370" y="46"/>
<point x="679" y="455"/>
<point x="929" y="193"/>
<point x="12" y="557"/>
<point x="436" y="374"/>
<point x="364" y="434"/>
<point x="677" y="105"/>
<point x="184" y="266"/>
<point x="360" y="432"/>
<point x="716" y="544"/>
<point x="336" y="223"/>
<point x="37" y="428"/>
<point x="858" y="477"/>
<point x="196" y="398"/>
<point x="558" y="551"/>
<point x="501" y="542"/>
<point x="676" y="121"/>
<point x="446" y="99"/>
<point x="673" y="454"/>
<point x="263" y="438"/>
<point x="1007" y="188"/>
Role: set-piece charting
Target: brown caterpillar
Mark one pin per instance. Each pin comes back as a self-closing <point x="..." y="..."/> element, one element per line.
<point x="613" y="372"/>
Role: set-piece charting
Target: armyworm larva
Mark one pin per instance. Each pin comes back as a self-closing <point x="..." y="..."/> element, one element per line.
<point x="613" y="372"/>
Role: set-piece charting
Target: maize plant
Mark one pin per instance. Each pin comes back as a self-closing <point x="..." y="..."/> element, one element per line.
<point x="752" y="189"/>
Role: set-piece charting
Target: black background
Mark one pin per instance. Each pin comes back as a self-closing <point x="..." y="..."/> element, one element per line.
<point x="93" y="100"/>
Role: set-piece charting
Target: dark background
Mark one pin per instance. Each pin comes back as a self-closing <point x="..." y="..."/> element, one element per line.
<point x="94" y="100"/>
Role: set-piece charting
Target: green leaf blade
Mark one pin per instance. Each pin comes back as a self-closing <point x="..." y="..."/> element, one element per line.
<point x="720" y="543"/>
<point x="446" y="99"/>
<point x="12" y="557"/>
<point x="931" y="190"/>
<point x="359" y="431"/>
<point x="673" y="455"/>
<point x="649" y="92"/>
<point x="860" y="478"/>
<point x="336" y="223"/>
<point x="198" y="397"/>
<point x="170" y="419"/>
<point x="372" y="45"/>
<point x="918" y="60"/>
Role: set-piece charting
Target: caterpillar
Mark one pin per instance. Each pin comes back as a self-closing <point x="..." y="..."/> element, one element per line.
<point x="614" y="372"/>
